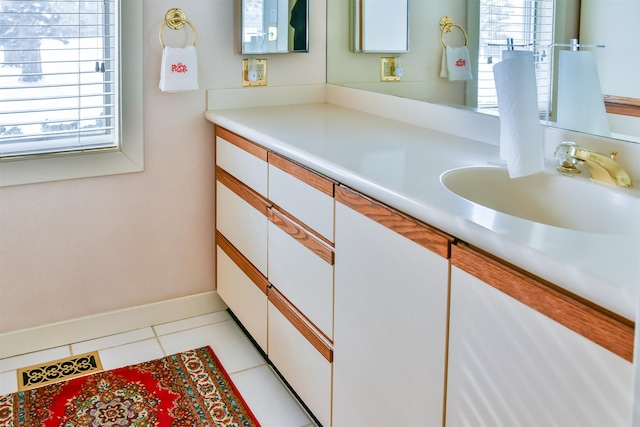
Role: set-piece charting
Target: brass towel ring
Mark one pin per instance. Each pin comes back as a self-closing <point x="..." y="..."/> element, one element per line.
<point x="175" y="19"/>
<point x="446" y="25"/>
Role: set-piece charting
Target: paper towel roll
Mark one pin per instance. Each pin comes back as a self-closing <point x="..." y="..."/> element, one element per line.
<point x="520" y="131"/>
<point x="580" y="103"/>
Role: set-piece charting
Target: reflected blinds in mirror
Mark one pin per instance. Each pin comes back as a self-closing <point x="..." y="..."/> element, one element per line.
<point x="514" y="25"/>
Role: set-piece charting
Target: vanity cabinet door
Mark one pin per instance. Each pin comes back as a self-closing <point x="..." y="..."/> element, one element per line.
<point x="512" y="365"/>
<point x="391" y="286"/>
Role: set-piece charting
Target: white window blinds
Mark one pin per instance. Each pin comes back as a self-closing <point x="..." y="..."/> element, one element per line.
<point x="58" y="76"/>
<point x="518" y="25"/>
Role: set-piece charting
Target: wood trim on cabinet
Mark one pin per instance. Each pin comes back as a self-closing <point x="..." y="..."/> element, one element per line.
<point x="622" y="105"/>
<point x="299" y="233"/>
<point x="414" y="230"/>
<point x="241" y="190"/>
<point x="240" y="142"/>
<point x="595" y="323"/>
<point x="305" y="175"/>
<point x="303" y="226"/>
<point x="316" y="338"/>
<point x="247" y="268"/>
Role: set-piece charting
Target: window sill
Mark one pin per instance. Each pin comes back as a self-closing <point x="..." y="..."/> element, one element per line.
<point x="75" y="166"/>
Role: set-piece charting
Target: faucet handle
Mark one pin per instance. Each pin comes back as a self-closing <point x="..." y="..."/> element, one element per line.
<point x="566" y="162"/>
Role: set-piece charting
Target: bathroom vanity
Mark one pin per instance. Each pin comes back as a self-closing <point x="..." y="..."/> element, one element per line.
<point x="385" y="299"/>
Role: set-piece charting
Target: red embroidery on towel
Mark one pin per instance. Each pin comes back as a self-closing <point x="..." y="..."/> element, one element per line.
<point x="178" y="68"/>
<point x="461" y="63"/>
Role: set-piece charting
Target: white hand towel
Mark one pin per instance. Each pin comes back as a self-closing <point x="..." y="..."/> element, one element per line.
<point x="179" y="69"/>
<point x="520" y="131"/>
<point x="455" y="63"/>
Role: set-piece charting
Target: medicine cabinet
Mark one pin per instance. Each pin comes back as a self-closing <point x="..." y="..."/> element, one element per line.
<point x="274" y="26"/>
<point x="380" y="26"/>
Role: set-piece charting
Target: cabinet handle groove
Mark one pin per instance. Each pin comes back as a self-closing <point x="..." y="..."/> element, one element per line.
<point x="242" y="191"/>
<point x="305" y="175"/>
<point x="414" y="230"/>
<point x="316" y="338"/>
<point x="592" y="322"/>
<point x="305" y="238"/>
<point x="247" y="268"/>
<point x="240" y="142"/>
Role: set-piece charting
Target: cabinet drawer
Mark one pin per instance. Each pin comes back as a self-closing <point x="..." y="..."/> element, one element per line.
<point x="302" y="193"/>
<point x="243" y="159"/>
<point x="299" y="361"/>
<point x="243" y="225"/>
<point x="243" y="289"/>
<point x="301" y="267"/>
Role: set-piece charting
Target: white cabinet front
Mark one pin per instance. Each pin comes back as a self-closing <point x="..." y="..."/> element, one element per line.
<point x="250" y="168"/>
<point x="302" y="276"/>
<point x="510" y="365"/>
<point x="304" y="367"/>
<point x="390" y="327"/>
<point x="243" y="225"/>
<point x="305" y="202"/>
<point x="247" y="301"/>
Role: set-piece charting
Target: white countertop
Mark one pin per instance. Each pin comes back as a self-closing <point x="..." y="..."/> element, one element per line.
<point x="400" y="164"/>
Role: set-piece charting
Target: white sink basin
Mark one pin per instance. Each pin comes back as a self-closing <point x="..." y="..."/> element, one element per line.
<point x="572" y="202"/>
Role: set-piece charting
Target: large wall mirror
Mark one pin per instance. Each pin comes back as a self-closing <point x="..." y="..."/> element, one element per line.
<point x="274" y="26"/>
<point x="603" y="22"/>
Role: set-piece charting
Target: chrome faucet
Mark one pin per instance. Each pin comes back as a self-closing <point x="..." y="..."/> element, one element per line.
<point x="603" y="168"/>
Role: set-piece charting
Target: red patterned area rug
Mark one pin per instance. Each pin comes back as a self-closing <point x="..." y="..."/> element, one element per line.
<point x="189" y="389"/>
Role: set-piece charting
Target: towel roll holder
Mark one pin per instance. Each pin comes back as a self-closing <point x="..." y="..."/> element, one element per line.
<point x="175" y="19"/>
<point x="446" y="25"/>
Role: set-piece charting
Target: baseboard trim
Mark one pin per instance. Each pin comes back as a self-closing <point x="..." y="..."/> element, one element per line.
<point x="109" y="323"/>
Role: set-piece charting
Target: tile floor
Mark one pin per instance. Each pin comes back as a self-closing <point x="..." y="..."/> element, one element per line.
<point x="261" y="388"/>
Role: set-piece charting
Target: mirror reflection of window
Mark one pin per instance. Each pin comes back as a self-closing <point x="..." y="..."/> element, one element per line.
<point x="252" y="28"/>
<point x="514" y="25"/>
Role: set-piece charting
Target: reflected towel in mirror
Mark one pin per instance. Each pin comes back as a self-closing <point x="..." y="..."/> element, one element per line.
<point x="456" y="64"/>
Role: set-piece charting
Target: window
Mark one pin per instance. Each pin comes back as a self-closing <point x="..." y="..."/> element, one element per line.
<point x="72" y="91"/>
<point x="518" y="25"/>
<point x="57" y="75"/>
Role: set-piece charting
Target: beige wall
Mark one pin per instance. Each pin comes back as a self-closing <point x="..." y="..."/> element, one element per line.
<point x="80" y="247"/>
